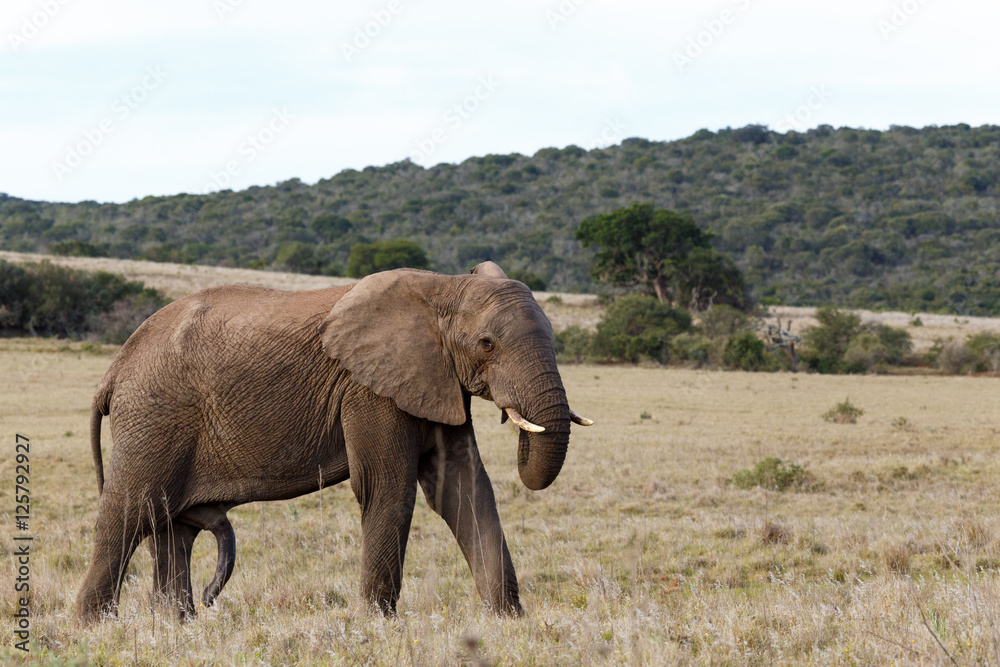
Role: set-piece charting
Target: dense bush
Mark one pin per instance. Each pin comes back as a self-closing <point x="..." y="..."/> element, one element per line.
<point x="695" y="348"/>
<point x="638" y="327"/>
<point x="574" y="344"/>
<point x="979" y="353"/>
<point x="746" y="352"/>
<point x="124" y="316"/>
<point x="842" y="344"/>
<point x="534" y="283"/>
<point x="47" y="300"/>
<point x="78" y="249"/>
<point x="368" y="258"/>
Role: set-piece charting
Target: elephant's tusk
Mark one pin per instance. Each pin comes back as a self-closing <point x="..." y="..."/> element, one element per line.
<point x="523" y="423"/>
<point x="582" y="421"/>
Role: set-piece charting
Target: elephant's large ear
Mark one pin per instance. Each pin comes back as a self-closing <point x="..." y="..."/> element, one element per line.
<point x="386" y="333"/>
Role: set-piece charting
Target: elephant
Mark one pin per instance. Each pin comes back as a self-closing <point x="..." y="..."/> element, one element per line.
<point x="237" y="394"/>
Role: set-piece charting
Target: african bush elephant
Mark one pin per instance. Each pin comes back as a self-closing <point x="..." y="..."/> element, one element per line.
<point x="237" y="394"/>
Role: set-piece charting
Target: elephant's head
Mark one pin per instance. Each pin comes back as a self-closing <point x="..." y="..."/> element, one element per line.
<point x="426" y="340"/>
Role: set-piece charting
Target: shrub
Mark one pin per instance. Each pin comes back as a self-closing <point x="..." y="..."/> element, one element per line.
<point x="573" y="344"/>
<point x="897" y="344"/>
<point x="985" y="350"/>
<point x="78" y="249"/>
<point x="843" y="413"/>
<point x="722" y="320"/>
<point x="47" y="300"/>
<point x="842" y="344"/>
<point x="694" y="348"/>
<point x="864" y="353"/>
<point x="368" y="258"/>
<point x="637" y="327"/>
<point x="953" y="357"/>
<point x="125" y="315"/>
<point x="298" y="258"/>
<point x="534" y="283"/>
<point x="772" y="473"/>
<point x="827" y="343"/>
<point x="746" y="352"/>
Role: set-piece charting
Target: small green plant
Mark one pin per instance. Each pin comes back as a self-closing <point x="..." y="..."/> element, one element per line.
<point x="916" y="322"/>
<point x="645" y="415"/>
<point x="901" y="423"/>
<point x="843" y="413"/>
<point x="555" y="298"/>
<point x="772" y="473"/>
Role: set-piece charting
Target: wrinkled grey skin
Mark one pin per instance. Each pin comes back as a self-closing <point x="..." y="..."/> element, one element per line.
<point x="237" y="394"/>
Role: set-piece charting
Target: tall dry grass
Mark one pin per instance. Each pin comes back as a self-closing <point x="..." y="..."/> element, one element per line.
<point x="641" y="553"/>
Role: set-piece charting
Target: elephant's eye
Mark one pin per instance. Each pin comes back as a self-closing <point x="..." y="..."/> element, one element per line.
<point x="487" y="344"/>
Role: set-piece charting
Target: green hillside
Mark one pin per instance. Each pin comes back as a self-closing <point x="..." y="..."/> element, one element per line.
<point x="905" y="219"/>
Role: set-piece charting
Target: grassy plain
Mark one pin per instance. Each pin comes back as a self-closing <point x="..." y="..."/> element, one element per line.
<point x="642" y="552"/>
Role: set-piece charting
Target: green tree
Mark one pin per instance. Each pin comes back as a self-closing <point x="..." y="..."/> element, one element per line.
<point x="661" y="252"/>
<point x="709" y="277"/>
<point x="368" y="258"/>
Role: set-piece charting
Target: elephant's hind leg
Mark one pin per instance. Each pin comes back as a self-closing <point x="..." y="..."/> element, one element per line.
<point x="171" y="552"/>
<point x="118" y="534"/>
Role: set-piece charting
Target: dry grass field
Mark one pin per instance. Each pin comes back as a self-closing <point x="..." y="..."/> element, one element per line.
<point x="642" y="552"/>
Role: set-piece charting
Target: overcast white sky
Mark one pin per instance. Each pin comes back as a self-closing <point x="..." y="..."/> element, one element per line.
<point x="316" y="99"/>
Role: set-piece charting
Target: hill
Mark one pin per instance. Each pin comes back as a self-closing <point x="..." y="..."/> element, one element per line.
<point x="905" y="219"/>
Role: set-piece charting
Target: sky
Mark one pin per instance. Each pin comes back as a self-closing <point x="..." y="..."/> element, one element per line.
<point x="110" y="100"/>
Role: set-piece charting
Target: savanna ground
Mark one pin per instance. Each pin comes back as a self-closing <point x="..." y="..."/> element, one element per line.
<point x="642" y="552"/>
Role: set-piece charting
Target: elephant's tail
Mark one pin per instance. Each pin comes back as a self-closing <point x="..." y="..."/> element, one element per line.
<point x="100" y="407"/>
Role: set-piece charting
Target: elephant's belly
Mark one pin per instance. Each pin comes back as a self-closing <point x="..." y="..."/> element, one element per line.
<point x="246" y="467"/>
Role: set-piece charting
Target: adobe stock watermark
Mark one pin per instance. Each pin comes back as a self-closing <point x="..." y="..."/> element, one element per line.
<point x="454" y="117"/>
<point x="225" y="7"/>
<point x="899" y="16"/>
<point x="121" y="109"/>
<point x="612" y="133"/>
<point x="798" y="119"/>
<point x="248" y="150"/>
<point x="562" y="12"/>
<point x="703" y="40"/>
<point x="35" y="22"/>
<point x="365" y="34"/>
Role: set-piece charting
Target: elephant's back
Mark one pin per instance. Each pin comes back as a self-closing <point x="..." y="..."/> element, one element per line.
<point x="204" y="341"/>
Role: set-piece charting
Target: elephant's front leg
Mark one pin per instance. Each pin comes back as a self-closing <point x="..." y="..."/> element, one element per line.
<point x="457" y="487"/>
<point x="382" y="452"/>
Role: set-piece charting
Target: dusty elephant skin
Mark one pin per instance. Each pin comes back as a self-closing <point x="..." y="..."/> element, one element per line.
<point x="237" y="394"/>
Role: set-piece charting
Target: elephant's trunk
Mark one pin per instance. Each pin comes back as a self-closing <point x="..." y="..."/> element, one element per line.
<point x="540" y="456"/>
